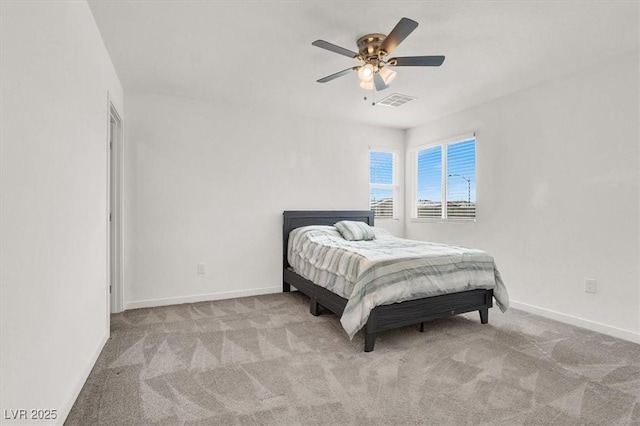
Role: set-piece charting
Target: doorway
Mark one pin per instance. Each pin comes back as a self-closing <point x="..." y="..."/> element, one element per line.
<point x="115" y="250"/>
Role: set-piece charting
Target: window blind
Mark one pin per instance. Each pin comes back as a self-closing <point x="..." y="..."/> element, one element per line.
<point x="382" y="185"/>
<point x="446" y="180"/>
<point x="429" y="185"/>
<point x="381" y="167"/>
<point x="461" y="180"/>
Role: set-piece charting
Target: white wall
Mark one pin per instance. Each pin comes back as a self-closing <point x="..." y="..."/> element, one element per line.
<point x="208" y="183"/>
<point x="558" y="175"/>
<point x="53" y="267"/>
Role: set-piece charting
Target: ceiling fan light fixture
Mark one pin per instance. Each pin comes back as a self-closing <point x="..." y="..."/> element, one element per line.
<point x="387" y="75"/>
<point x="367" y="85"/>
<point x="365" y="73"/>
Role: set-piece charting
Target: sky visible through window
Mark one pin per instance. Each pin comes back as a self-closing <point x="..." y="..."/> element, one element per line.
<point x="429" y="174"/>
<point x="461" y="165"/>
<point x="381" y="172"/>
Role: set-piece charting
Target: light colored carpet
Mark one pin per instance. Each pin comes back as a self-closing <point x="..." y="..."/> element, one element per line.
<point x="266" y="360"/>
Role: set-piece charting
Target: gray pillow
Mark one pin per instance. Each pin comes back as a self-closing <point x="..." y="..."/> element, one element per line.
<point x="355" y="231"/>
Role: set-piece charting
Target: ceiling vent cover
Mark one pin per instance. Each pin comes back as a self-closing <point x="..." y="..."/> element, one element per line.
<point x="395" y="100"/>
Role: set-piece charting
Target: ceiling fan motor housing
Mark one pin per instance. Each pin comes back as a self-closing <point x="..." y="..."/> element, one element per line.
<point x="369" y="45"/>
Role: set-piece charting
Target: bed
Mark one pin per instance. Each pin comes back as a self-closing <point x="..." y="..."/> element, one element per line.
<point x="387" y="316"/>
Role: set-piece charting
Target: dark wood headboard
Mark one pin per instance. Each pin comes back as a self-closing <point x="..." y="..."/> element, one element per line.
<point x="296" y="219"/>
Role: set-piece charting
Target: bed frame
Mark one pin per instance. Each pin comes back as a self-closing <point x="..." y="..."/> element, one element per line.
<point x="384" y="317"/>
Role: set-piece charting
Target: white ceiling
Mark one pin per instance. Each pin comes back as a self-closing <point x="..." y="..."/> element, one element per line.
<point x="258" y="54"/>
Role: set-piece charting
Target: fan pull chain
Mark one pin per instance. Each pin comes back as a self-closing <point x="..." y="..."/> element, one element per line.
<point x="373" y="96"/>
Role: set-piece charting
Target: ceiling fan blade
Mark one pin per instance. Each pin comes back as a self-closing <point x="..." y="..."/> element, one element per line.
<point x="336" y="75"/>
<point x="416" y="61"/>
<point x="397" y="34"/>
<point x="333" y="48"/>
<point x="379" y="82"/>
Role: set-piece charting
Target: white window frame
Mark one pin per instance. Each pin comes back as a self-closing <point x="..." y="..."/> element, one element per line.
<point x="393" y="186"/>
<point x="443" y="179"/>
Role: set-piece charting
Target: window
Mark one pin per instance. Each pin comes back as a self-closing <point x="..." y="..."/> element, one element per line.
<point x="446" y="180"/>
<point x="382" y="184"/>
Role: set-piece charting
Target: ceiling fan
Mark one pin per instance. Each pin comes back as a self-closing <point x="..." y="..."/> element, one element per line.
<point x="373" y="49"/>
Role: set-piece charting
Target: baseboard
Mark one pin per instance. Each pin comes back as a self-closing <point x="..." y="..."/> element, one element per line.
<point x="200" y="297"/>
<point x="64" y="411"/>
<point x="579" y="322"/>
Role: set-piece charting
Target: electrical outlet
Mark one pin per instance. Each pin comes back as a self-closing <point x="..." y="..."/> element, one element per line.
<point x="200" y="268"/>
<point x="590" y="285"/>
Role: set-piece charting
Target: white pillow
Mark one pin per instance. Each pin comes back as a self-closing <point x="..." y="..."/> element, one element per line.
<point x="381" y="233"/>
<point x="355" y="231"/>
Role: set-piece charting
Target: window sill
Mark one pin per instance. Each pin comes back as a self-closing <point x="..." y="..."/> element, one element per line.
<point x="429" y="220"/>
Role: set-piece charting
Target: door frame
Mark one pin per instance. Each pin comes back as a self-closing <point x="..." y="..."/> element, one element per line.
<point x="115" y="248"/>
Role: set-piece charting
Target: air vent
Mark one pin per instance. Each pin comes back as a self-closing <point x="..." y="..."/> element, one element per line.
<point x="395" y="100"/>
